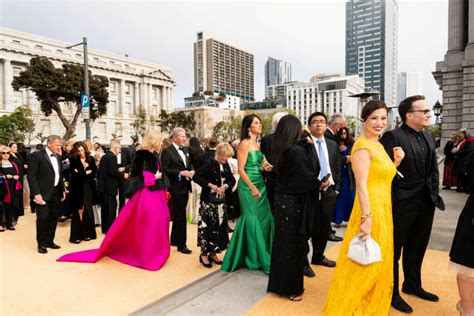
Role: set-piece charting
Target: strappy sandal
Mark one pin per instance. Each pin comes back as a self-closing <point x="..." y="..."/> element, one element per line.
<point x="460" y="308"/>
<point x="295" y="298"/>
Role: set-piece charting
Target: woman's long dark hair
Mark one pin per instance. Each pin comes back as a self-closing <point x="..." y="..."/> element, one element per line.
<point x="246" y="122"/>
<point x="288" y="132"/>
<point x="75" y="150"/>
<point x="349" y="141"/>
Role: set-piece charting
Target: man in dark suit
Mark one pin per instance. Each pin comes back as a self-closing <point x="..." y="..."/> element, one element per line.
<point x="124" y="160"/>
<point x="414" y="196"/>
<point x="108" y="184"/>
<point x="47" y="191"/>
<point x="326" y="152"/>
<point x="176" y="164"/>
<point x="335" y="123"/>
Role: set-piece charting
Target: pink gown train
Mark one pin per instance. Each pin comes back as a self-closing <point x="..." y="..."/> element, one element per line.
<point x="139" y="235"/>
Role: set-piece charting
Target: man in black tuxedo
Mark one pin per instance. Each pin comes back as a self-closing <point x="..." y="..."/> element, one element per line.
<point x="326" y="152"/>
<point x="124" y="160"/>
<point x="414" y="196"/>
<point x="176" y="164"/>
<point x="47" y="191"/>
<point x="335" y="123"/>
<point x="108" y="184"/>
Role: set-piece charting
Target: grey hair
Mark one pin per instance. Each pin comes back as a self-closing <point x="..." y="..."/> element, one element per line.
<point x="176" y="130"/>
<point x="52" y="138"/>
<point x="276" y="118"/>
<point x="465" y="132"/>
<point x="114" y="143"/>
<point x="335" y="118"/>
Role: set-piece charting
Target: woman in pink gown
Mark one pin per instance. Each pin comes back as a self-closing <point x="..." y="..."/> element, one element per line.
<point x="140" y="234"/>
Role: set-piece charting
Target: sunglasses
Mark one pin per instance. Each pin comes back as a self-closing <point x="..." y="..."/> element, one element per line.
<point x="4" y="153"/>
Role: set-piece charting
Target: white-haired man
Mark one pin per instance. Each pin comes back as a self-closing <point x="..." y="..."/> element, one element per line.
<point x="176" y="164"/>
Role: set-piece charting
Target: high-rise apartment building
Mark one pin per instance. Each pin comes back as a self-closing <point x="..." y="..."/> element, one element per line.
<point x="223" y="68"/>
<point x="409" y="83"/>
<point x="277" y="72"/>
<point x="371" y="45"/>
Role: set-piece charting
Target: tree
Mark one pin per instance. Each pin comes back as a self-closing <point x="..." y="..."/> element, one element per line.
<point x="56" y="88"/>
<point x="226" y="131"/>
<point x="140" y="123"/>
<point x="16" y="126"/>
<point x="177" y="119"/>
<point x="351" y="123"/>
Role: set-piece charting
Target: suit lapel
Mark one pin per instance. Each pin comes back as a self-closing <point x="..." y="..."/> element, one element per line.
<point x="45" y="154"/>
<point x="416" y="151"/>
<point x="177" y="155"/>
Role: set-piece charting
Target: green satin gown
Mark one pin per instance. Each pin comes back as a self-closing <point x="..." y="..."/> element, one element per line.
<point x="250" y="246"/>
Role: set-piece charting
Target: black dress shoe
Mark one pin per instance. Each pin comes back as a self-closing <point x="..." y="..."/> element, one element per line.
<point x="307" y="271"/>
<point x="52" y="245"/>
<point x="62" y="219"/>
<point x="324" y="262"/>
<point x="422" y="294"/>
<point x="211" y="259"/>
<point x="185" y="250"/>
<point x="207" y="265"/>
<point x="333" y="237"/>
<point x="400" y="305"/>
<point x="42" y="249"/>
<point x="11" y="228"/>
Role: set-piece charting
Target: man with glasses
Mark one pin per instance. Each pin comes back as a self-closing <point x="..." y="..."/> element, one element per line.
<point x="414" y="196"/>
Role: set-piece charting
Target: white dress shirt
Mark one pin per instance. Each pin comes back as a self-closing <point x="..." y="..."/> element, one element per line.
<point x="326" y="154"/>
<point x="181" y="154"/>
<point x="55" y="162"/>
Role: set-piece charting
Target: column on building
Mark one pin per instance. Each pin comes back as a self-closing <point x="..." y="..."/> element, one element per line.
<point x="150" y="94"/>
<point x="121" y="100"/>
<point x="168" y="98"/>
<point x="7" y="83"/>
<point x="171" y="104"/>
<point x="136" y="95"/>
<point x="163" y="98"/>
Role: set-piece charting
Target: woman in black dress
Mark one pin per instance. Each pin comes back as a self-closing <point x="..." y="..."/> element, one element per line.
<point x="12" y="188"/>
<point x="214" y="177"/>
<point x="19" y="162"/>
<point x="296" y="189"/>
<point x="82" y="193"/>
<point x="462" y="249"/>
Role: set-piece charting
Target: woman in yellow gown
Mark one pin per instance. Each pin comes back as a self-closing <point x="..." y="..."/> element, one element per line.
<point x="367" y="289"/>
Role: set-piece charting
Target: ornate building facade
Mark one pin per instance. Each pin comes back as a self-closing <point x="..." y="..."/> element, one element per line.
<point x="132" y="83"/>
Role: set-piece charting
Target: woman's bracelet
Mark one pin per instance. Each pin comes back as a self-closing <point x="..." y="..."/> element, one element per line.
<point x="365" y="216"/>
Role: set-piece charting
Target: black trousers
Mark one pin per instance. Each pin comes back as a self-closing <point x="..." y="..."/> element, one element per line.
<point x="47" y="219"/>
<point x="108" y="211"/>
<point x="322" y="223"/>
<point x="412" y="223"/>
<point x="178" y="204"/>
<point x="122" y="186"/>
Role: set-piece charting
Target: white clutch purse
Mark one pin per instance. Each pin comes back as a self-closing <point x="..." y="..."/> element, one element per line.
<point x="364" y="252"/>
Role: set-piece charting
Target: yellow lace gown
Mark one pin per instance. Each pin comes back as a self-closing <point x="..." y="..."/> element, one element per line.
<point x="367" y="290"/>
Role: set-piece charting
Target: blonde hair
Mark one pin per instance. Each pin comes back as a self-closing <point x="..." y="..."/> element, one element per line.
<point x="151" y="140"/>
<point x="88" y="143"/>
<point x="4" y="149"/>
<point x="224" y="149"/>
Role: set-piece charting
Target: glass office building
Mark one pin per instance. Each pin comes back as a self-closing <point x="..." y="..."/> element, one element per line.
<point x="277" y="72"/>
<point x="371" y="45"/>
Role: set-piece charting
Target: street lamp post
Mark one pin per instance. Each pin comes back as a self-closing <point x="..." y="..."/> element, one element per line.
<point x="438" y="110"/>
<point x="86" y="83"/>
<point x="363" y="97"/>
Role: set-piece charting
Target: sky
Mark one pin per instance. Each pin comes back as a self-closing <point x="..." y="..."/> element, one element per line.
<point x="308" y="34"/>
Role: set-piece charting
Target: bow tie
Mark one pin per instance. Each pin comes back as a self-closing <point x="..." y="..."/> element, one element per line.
<point x="180" y="148"/>
<point x="52" y="155"/>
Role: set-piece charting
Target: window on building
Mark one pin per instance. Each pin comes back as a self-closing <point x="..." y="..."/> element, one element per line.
<point x="127" y="89"/>
<point x="103" y="130"/>
<point x="112" y="87"/>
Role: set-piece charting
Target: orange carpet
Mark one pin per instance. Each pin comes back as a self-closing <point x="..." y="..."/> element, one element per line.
<point x="436" y="278"/>
<point x="35" y="284"/>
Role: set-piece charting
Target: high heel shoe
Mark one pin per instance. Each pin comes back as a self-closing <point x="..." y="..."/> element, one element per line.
<point x="207" y="265"/>
<point x="212" y="259"/>
<point x="459" y="308"/>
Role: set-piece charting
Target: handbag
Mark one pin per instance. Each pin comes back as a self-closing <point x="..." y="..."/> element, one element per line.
<point x="364" y="252"/>
<point x="215" y="198"/>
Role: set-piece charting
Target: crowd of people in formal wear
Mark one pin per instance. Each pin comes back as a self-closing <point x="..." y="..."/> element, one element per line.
<point x="286" y="191"/>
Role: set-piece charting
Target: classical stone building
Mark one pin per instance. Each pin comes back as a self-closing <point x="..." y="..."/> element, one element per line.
<point x="455" y="74"/>
<point x="133" y="82"/>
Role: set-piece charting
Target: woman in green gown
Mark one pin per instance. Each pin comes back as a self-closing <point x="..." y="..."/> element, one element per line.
<point x="250" y="246"/>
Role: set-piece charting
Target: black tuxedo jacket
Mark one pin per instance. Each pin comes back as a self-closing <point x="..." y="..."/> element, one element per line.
<point x="334" y="159"/>
<point x="329" y="135"/>
<point x="125" y="159"/>
<point x="411" y="167"/>
<point x="172" y="165"/>
<point x="108" y="175"/>
<point x="41" y="175"/>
